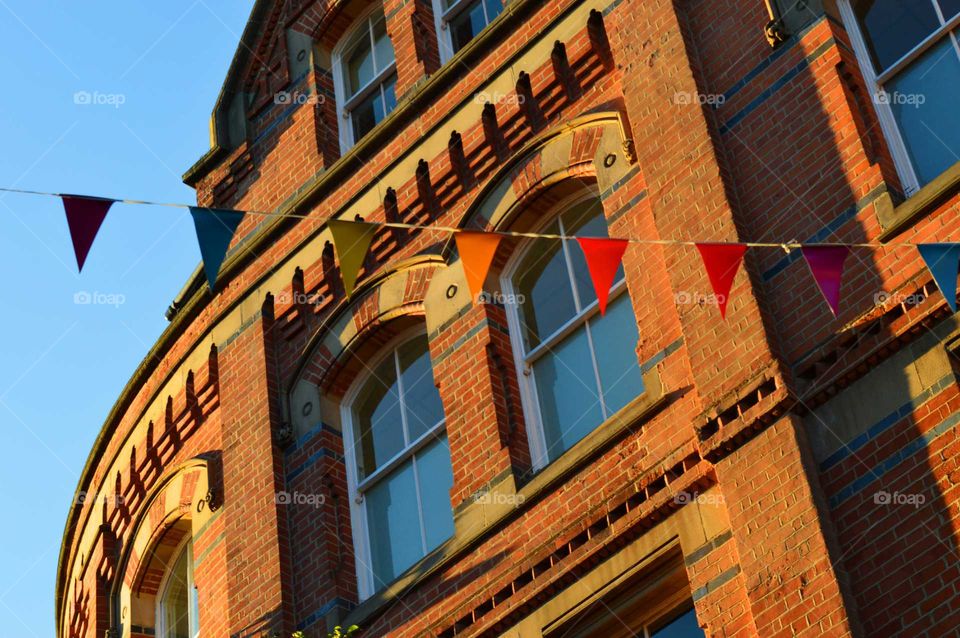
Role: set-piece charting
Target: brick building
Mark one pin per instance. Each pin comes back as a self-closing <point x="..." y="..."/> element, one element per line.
<point x="289" y="459"/>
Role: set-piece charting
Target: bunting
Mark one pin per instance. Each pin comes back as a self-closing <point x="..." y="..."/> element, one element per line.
<point x="351" y="241"/>
<point x="943" y="261"/>
<point x="476" y="250"/>
<point x="603" y="260"/>
<point x="84" y="218"/>
<point x="721" y="261"/>
<point x="215" y="228"/>
<point x="826" y="264"/>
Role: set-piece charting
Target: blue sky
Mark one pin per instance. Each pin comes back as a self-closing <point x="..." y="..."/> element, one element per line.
<point x="155" y="69"/>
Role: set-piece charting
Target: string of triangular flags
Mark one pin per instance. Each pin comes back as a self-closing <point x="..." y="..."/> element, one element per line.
<point x="215" y="228"/>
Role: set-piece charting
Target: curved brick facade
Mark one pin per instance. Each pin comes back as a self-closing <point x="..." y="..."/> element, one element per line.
<point x="769" y="475"/>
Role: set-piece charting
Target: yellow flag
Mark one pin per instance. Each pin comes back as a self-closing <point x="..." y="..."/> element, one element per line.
<point x="351" y="241"/>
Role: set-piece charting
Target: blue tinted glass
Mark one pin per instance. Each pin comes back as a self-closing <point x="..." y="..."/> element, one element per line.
<point x="567" y="390"/>
<point x="382" y="47"/>
<point x="924" y="100"/>
<point x="615" y="341"/>
<point x="542" y="284"/>
<point x="466" y="25"/>
<point x="421" y="399"/>
<point x="684" y="626"/>
<point x="365" y="115"/>
<point x="436" y="480"/>
<point x="395" y="542"/>
<point x="379" y="428"/>
<point x="893" y="27"/>
<point x="494" y="7"/>
<point x="390" y="94"/>
<point x="950" y="8"/>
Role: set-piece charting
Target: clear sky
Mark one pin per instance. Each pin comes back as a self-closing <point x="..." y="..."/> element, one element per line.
<point x="153" y="71"/>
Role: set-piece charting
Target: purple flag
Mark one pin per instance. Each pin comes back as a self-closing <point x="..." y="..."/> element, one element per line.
<point x="826" y="264"/>
<point x="84" y="217"/>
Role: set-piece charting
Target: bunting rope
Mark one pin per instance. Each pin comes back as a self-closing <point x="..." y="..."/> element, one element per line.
<point x="215" y="228"/>
<point x="793" y="244"/>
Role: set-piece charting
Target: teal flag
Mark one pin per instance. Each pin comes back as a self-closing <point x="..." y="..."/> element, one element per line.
<point x="215" y="228"/>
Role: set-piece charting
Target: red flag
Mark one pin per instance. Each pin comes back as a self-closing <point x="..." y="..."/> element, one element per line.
<point x="826" y="264"/>
<point x="721" y="262"/>
<point x="84" y="217"/>
<point x="603" y="259"/>
<point x="476" y="254"/>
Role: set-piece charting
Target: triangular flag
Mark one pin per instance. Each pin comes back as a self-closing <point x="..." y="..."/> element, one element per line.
<point x="84" y="217"/>
<point x="215" y="228"/>
<point x="826" y="264"/>
<point x="721" y="262"/>
<point x="476" y="254"/>
<point x="352" y="241"/>
<point x="943" y="261"/>
<point x="603" y="259"/>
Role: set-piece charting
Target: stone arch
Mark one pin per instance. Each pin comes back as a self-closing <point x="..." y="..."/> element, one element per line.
<point x="180" y="505"/>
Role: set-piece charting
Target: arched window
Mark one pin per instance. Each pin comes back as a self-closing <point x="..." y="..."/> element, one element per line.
<point x="178" y="610"/>
<point x="365" y="77"/>
<point x="576" y="368"/>
<point x="398" y="464"/>
<point x="459" y="21"/>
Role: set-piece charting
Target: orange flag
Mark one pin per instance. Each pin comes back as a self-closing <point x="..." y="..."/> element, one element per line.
<point x="476" y="254"/>
<point x="603" y="260"/>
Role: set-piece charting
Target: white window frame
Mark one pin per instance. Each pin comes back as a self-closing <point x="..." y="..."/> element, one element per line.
<point x="345" y="104"/>
<point x="161" y="629"/>
<point x="875" y="82"/>
<point x="442" y="18"/>
<point x="366" y="586"/>
<point x="524" y="360"/>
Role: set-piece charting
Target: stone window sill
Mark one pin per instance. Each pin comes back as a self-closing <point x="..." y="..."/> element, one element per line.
<point x="896" y="219"/>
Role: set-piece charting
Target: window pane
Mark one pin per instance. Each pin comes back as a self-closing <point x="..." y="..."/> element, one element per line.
<point x="585" y="219"/>
<point x="381" y="43"/>
<point x="494" y="7"/>
<point x="567" y="390"/>
<point x="924" y="100"/>
<point x="176" y="603"/>
<point x="420" y="396"/>
<point x="364" y="116"/>
<point x="949" y="8"/>
<point x="394" y="525"/>
<point x="684" y="626"/>
<point x="379" y="427"/>
<point x="359" y="62"/>
<point x="466" y="25"/>
<point x="543" y="284"/>
<point x="436" y="481"/>
<point x="893" y="27"/>
<point x="389" y="95"/>
<point x="615" y="341"/>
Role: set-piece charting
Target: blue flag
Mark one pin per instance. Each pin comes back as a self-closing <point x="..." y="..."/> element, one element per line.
<point x="215" y="228"/>
<point x="943" y="261"/>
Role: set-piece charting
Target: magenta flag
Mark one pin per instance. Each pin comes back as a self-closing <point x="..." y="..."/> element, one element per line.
<point x="84" y="217"/>
<point x="826" y="264"/>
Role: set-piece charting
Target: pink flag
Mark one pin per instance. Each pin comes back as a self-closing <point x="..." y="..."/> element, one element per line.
<point x="603" y="260"/>
<point x="84" y="216"/>
<point x="722" y="262"/>
<point x="826" y="264"/>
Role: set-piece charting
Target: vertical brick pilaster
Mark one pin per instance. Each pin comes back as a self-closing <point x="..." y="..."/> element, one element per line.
<point x="255" y="529"/>
<point x="413" y="32"/>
